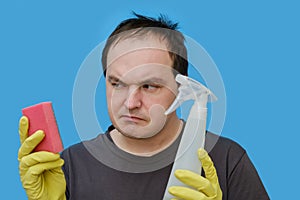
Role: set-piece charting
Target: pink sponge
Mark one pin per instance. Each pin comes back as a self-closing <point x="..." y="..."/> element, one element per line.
<point x="41" y="117"/>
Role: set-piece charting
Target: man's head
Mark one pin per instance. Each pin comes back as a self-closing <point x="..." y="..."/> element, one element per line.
<point x="140" y="60"/>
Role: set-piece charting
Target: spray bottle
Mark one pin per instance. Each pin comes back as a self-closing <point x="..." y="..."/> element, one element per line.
<point x="193" y="136"/>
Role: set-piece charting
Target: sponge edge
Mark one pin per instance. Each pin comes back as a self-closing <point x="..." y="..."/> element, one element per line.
<point x="41" y="117"/>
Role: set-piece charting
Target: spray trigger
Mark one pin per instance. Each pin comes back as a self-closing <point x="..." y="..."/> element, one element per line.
<point x="190" y="89"/>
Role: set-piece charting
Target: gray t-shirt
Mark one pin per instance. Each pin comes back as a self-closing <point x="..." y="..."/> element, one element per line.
<point x="98" y="170"/>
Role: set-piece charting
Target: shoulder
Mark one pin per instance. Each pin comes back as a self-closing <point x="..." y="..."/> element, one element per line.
<point x="222" y="145"/>
<point x="80" y="149"/>
<point x="224" y="151"/>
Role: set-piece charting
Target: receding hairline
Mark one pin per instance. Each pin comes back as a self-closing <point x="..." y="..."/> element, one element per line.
<point x="140" y="33"/>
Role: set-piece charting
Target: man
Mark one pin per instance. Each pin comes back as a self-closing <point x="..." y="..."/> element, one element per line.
<point x="134" y="158"/>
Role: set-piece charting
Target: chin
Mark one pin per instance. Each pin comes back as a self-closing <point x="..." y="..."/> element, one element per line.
<point x="137" y="132"/>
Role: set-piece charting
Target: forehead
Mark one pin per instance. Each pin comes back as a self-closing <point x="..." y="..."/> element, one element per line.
<point x="137" y="57"/>
<point x="149" y="44"/>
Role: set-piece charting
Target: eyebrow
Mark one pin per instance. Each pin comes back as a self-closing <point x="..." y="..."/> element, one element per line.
<point x="147" y="81"/>
<point x="153" y="80"/>
<point x="113" y="78"/>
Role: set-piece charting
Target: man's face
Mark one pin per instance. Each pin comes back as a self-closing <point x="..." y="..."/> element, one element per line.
<point x="140" y="86"/>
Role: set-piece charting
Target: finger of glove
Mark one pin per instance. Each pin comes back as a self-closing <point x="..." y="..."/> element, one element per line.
<point x="34" y="175"/>
<point x="196" y="181"/>
<point x="186" y="193"/>
<point x="208" y="166"/>
<point x="30" y="143"/>
<point x="38" y="157"/>
<point x="39" y="168"/>
<point x="23" y="128"/>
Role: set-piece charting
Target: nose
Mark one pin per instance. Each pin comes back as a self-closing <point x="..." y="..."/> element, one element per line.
<point x="134" y="98"/>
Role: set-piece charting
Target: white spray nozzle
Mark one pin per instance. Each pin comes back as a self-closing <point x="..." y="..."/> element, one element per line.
<point x="190" y="89"/>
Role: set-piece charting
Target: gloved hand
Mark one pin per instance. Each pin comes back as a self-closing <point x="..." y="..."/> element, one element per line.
<point x="40" y="172"/>
<point x="204" y="188"/>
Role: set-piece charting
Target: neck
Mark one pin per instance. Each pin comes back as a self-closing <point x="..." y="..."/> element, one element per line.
<point x="149" y="146"/>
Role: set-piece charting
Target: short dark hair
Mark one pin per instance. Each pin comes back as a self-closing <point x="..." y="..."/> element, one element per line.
<point x="162" y="27"/>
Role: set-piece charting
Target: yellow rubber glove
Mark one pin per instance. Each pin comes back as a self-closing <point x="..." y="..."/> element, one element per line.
<point x="203" y="188"/>
<point x="40" y="172"/>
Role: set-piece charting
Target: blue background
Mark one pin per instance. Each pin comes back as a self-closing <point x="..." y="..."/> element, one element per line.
<point x="255" y="45"/>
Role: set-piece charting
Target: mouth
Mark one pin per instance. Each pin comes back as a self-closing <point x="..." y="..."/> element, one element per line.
<point x="133" y="118"/>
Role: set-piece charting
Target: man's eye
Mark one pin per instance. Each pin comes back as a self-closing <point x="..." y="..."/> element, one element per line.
<point x="150" y="87"/>
<point x="117" y="85"/>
